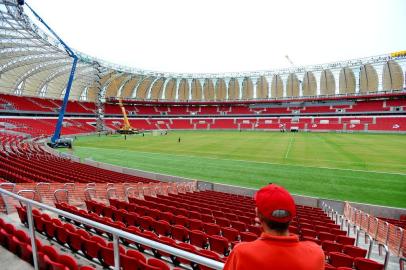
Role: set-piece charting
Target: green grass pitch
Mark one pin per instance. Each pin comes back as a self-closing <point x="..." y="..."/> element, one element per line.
<point x="368" y="168"/>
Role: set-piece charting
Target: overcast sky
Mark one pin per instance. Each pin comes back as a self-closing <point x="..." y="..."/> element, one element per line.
<point x="221" y="36"/>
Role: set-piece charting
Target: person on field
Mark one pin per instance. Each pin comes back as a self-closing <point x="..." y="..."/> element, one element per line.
<point x="275" y="248"/>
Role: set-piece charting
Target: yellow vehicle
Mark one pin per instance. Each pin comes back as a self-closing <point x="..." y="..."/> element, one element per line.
<point x="126" y="128"/>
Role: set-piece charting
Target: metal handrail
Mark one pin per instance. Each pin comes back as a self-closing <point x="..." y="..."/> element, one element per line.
<point x="387" y="232"/>
<point x="371" y="243"/>
<point x="88" y="194"/>
<point x="13" y="187"/>
<point x="387" y="254"/>
<point x="38" y="189"/>
<point x="112" y="193"/>
<point x="115" y="232"/>
<point x="69" y="186"/>
<point x="61" y="190"/>
<point x="400" y="238"/>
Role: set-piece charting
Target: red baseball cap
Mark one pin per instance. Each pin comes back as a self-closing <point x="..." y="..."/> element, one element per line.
<point x="275" y="203"/>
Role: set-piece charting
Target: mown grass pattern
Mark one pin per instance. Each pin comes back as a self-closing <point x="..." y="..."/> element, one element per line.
<point x="369" y="168"/>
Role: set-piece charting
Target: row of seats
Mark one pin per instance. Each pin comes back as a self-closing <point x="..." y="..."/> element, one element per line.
<point x="35" y="104"/>
<point x="43" y="126"/>
<point x="97" y="247"/>
<point x="401" y="222"/>
<point x="28" y="163"/>
<point x="180" y="228"/>
<point x="19" y="243"/>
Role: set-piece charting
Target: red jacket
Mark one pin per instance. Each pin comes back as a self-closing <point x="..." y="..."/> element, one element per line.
<point x="276" y="252"/>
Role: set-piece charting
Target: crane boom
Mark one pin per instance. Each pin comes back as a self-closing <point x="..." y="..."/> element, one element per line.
<point x="126" y="128"/>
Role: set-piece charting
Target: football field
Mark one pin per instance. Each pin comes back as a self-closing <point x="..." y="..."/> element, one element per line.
<point x="368" y="168"/>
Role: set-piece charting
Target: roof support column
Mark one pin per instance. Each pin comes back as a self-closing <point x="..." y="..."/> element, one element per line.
<point x="163" y="96"/>
<point x="254" y="81"/>
<point x="227" y="81"/>
<point x="134" y="93"/>
<point x="284" y="78"/>
<point x="357" y="72"/>
<point x="148" y="94"/>
<point x="336" y="74"/>
<point x="190" y="88"/>
<point x="317" y="74"/>
<point x="269" y="81"/>
<point x="240" y="85"/>
<point x="379" y="71"/>
<point x="177" y="88"/>
<point x="202" y="82"/>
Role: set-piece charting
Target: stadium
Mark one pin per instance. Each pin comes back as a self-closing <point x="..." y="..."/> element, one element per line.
<point x="105" y="166"/>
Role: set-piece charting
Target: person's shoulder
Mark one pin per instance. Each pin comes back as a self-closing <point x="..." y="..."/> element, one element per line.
<point x="310" y="245"/>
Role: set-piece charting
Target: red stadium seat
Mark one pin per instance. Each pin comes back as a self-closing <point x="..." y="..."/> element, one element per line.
<point x="131" y="259"/>
<point x="330" y="246"/>
<point x="186" y="247"/>
<point x="68" y="262"/>
<point x="162" y="227"/>
<point x="211" y="228"/>
<point x="91" y="246"/>
<point x="238" y="225"/>
<point x="195" y="224"/>
<point x="338" y="259"/>
<point x="367" y="264"/>
<point x="323" y="236"/>
<point x="106" y="254"/>
<point x="219" y="244"/>
<point x="345" y="240"/>
<point x="354" y="251"/>
<point x="198" y="238"/>
<point x="248" y="236"/>
<point x="230" y="233"/>
<point x="180" y="233"/>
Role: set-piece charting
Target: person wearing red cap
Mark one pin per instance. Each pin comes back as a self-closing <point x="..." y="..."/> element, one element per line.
<point x="275" y="248"/>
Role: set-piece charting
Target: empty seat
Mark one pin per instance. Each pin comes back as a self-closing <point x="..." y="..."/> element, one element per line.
<point x="180" y="233"/>
<point x="238" y="225"/>
<point x="367" y="264"/>
<point x="230" y="233"/>
<point x="248" y="236"/>
<point x="186" y="247"/>
<point x="330" y="246"/>
<point x="354" y="251"/>
<point x="219" y="244"/>
<point x="338" y="259"/>
<point x="211" y="228"/>
<point x="198" y="238"/>
<point x="195" y="224"/>
<point x="323" y="236"/>
<point x="345" y="240"/>
<point x="131" y="260"/>
<point x="223" y="222"/>
<point x="162" y="227"/>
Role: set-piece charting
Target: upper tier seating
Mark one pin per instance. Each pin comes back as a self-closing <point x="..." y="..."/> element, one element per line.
<point x="44" y="105"/>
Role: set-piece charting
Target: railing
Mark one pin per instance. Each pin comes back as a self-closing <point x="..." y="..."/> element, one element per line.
<point x="384" y="233"/>
<point x="253" y="100"/>
<point x="115" y="232"/>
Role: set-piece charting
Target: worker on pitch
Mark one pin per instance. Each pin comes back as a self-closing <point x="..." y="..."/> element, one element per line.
<point x="179" y="140"/>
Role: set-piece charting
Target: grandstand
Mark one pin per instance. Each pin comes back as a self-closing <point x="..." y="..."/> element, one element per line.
<point x="58" y="212"/>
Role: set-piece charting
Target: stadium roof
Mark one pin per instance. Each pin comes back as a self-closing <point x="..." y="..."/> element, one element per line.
<point x="34" y="63"/>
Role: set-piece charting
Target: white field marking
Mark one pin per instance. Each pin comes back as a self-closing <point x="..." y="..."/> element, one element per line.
<point x="258" y="162"/>
<point x="292" y="137"/>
